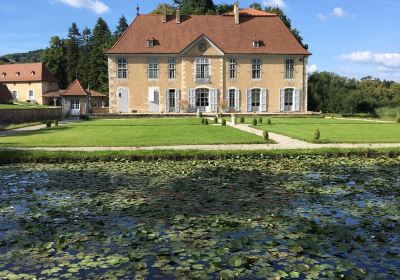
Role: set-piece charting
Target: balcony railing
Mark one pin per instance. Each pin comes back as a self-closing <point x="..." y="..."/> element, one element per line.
<point x="203" y="81"/>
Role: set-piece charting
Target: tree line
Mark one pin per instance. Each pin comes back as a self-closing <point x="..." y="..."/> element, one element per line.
<point x="82" y="54"/>
<point x="331" y="93"/>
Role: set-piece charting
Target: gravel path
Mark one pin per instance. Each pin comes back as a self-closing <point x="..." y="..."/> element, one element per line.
<point x="21" y="130"/>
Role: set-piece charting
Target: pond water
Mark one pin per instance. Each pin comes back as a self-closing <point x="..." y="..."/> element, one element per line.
<point x="306" y="217"/>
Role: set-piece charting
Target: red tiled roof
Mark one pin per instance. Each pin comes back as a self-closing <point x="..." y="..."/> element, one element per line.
<point x="5" y="94"/>
<point x="252" y="12"/>
<point x="231" y="38"/>
<point x="26" y="72"/>
<point x="75" y="89"/>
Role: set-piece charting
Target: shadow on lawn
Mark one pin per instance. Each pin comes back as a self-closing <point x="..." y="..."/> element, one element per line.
<point x="252" y="220"/>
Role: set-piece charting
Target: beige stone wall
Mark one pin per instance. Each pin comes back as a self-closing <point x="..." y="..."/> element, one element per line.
<point x="138" y="84"/>
<point x="38" y="88"/>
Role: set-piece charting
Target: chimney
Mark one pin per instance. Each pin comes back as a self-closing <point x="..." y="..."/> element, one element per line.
<point x="178" y="15"/>
<point x="164" y="13"/>
<point x="236" y="12"/>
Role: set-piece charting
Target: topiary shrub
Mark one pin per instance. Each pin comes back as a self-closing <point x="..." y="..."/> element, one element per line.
<point x="269" y="122"/>
<point x="241" y="120"/>
<point x="48" y="123"/>
<point x="200" y="115"/>
<point x="265" y="135"/>
<point x="223" y="122"/>
<point x="260" y="120"/>
<point x="255" y="122"/>
<point x="215" y="119"/>
<point x="398" y="119"/>
<point x="206" y="121"/>
<point x="84" y="117"/>
<point x="317" y="134"/>
<point x="55" y="123"/>
<point x="203" y="121"/>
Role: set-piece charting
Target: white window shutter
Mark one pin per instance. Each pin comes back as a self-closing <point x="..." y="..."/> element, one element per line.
<point x="167" y="108"/>
<point x="248" y="100"/>
<point x="297" y="99"/>
<point x="227" y="101"/>
<point x="213" y="100"/>
<point x="282" y="98"/>
<point x="192" y="100"/>
<point x="237" y="100"/>
<point x="263" y="100"/>
<point x="151" y="95"/>
<point x="177" y="100"/>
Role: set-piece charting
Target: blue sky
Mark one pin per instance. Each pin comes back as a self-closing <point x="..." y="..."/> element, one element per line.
<point x="355" y="38"/>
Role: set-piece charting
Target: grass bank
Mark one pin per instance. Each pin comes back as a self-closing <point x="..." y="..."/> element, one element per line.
<point x="20" y="156"/>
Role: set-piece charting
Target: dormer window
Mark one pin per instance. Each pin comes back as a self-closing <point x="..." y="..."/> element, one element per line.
<point x="150" y="43"/>
<point x="33" y="73"/>
<point x="202" y="47"/>
<point x="18" y="74"/>
<point x="256" y="44"/>
<point x="3" y="74"/>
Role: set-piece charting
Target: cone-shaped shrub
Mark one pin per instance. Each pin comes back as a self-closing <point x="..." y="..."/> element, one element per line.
<point x="260" y="120"/>
<point x="255" y="122"/>
<point x="206" y="121"/>
<point x="215" y="120"/>
<point x="56" y="123"/>
<point x="241" y="120"/>
<point x="269" y="122"/>
<point x="202" y="121"/>
<point x="317" y="134"/>
<point x="223" y="122"/>
<point x="265" y="135"/>
<point x="48" y="123"/>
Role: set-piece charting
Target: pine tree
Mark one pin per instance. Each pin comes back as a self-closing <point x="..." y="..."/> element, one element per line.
<point x="84" y="55"/>
<point x="54" y="59"/>
<point x="101" y="42"/>
<point x="122" y="26"/>
<point x="72" y="45"/>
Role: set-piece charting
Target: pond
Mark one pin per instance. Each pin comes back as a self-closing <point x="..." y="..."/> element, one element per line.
<point x="306" y="217"/>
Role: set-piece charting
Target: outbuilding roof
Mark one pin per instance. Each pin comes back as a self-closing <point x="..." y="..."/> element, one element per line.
<point x="74" y="89"/>
<point x="231" y="38"/>
<point x="26" y="72"/>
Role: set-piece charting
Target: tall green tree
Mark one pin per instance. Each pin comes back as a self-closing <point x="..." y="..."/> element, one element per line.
<point x="84" y="56"/>
<point x="121" y="27"/>
<point x="160" y="8"/>
<point x="223" y="9"/>
<point x="72" y="45"/>
<point x="54" y="59"/>
<point x="101" y="42"/>
<point x="197" y="7"/>
<point x="256" y="6"/>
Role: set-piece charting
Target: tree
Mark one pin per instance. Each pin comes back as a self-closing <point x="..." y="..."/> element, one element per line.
<point x="122" y="26"/>
<point x="197" y="7"/>
<point x="54" y="59"/>
<point x="256" y="6"/>
<point x="84" y="55"/>
<point x="223" y="9"/>
<point x="160" y="9"/>
<point x="101" y="42"/>
<point x="72" y="45"/>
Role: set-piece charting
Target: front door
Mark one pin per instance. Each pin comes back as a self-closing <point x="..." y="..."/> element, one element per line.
<point x="289" y="94"/>
<point x="203" y="99"/>
<point x="256" y="100"/>
<point x="123" y="100"/>
<point x="171" y="100"/>
<point x="75" y="107"/>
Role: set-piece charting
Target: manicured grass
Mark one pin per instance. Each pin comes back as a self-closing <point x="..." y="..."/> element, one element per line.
<point x="333" y="130"/>
<point x="131" y="132"/>
<point x="21" y="105"/>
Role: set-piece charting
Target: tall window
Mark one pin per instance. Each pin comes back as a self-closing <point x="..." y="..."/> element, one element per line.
<point x="153" y="68"/>
<point x="122" y="68"/>
<point x="256" y="68"/>
<point x="202" y="97"/>
<point x="202" y="70"/>
<point x="255" y="97"/>
<point x="289" y="68"/>
<point x="232" y="68"/>
<point x="232" y="95"/>
<point x="172" y="68"/>
<point x="172" y="101"/>
<point x="31" y="94"/>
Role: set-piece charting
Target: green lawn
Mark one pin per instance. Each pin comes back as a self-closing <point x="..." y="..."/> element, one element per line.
<point x="333" y="130"/>
<point x="131" y="132"/>
<point x="21" y="105"/>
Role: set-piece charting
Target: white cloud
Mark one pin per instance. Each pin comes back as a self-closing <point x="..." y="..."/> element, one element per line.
<point x="94" y="5"/>
<point x="387" y="60"/>
<point x="312" y="68"/>
<point x="336" y="13"/>
<point x="339" y="12"/>
<point x="275" y="3"/>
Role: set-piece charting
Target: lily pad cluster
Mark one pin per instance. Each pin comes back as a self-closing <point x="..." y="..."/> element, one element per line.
<point x="306" y="217"/>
